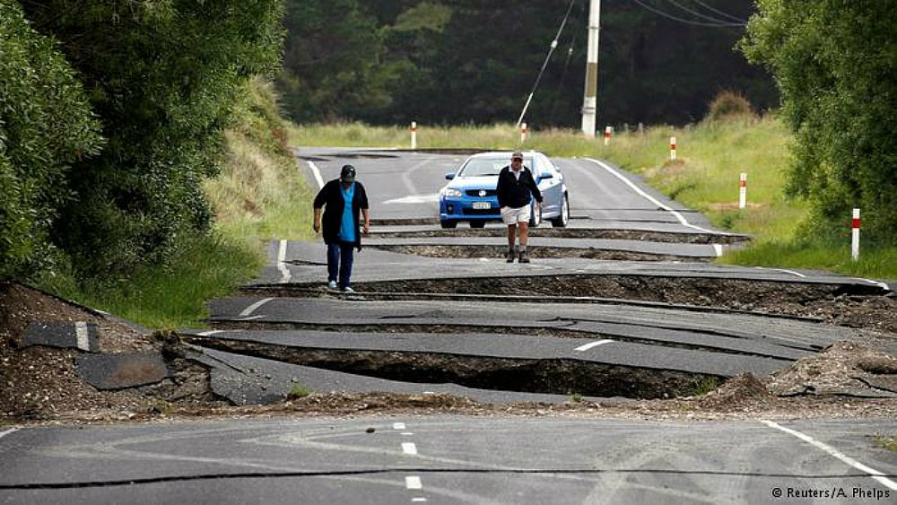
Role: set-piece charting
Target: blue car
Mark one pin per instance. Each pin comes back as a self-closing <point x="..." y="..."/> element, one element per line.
<point x="470" y="194"/>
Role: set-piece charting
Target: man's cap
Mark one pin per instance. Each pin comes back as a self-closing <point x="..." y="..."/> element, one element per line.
<point x="347" y="174"/>
<point x="517" y="155"/>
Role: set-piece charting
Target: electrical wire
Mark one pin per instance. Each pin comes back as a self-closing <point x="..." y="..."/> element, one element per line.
<point x="554" y="45"/>
<point x="700" y="15"/>
<point x="721" y="13"/>
<point x="659" y="12"/>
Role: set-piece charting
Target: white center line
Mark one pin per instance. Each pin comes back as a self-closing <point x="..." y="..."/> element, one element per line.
<point x="281" y="258"/>
<point x="209" y="333"/>
<point x="252" y="308"/>
<point x="83" y="342"/>
<point x="718" y="249"/>
<point x="418" y="499"/>
<point x="316" y="173"/>
<point x="590" y="345"/>
<point x="409" y="448"/>
<point x="398" y="426"/>
<point x="407" y="434"/>
<point x="650" y="198"/>
<point x="875" y="474"/>
<point x="251" y="318"/>
<point x="413" y="482"/>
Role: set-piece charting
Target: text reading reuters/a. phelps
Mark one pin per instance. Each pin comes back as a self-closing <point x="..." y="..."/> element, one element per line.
<point x="834" y="493"/>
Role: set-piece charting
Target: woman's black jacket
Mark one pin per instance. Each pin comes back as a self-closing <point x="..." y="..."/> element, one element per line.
<point x="331" y="198"/>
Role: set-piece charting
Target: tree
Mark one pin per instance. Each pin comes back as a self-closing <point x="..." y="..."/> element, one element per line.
<point x="45" y="125"/>
<point x="162" y="75"/>
<point x="835" y="66"/>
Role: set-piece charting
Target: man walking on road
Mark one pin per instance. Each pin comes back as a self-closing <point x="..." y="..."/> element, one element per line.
<point x="516" y="189"/>
<point x="342" y="200"/>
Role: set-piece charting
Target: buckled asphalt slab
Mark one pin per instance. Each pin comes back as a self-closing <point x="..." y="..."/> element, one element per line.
<point x="120" y="371"/>
<point x="248" y="380"/>
<point x="76" y="335"/>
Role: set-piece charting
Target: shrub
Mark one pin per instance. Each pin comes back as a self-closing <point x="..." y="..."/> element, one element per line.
<point x="729" y="105"/>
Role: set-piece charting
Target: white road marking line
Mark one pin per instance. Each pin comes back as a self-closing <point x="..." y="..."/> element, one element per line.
<point x="210" y="333"/>
<point x="407" y="434"/>
<point x="409" y="448"/>
<point x="590" y="345"/>
<point x="792" y="272"/>
<point x="875" y="474"/>
<point x="398" y="426"/>
<point x="413" y="482"/>
<point x="418" y="499"/>
<point x="650" y="198"/>
<point x="252" y="308"/>
<point x="316" y="173"/>
<point x="281" y="257"/>
<point x="81" y="335"/>
<point x="876" y="283"/>
<point x="251" y="318"/>
<point x="718" y="248"/>
<point x="414" y="199"/>
<point x="7" y="432"/>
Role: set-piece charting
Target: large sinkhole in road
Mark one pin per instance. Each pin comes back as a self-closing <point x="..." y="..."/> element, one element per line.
<point x="550" y="376"/>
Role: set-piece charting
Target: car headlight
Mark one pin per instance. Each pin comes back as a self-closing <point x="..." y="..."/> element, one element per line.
<point x="452" y="193"/>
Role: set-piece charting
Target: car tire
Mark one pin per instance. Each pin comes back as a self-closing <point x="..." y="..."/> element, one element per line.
<point x="535" y="217"/>
<point x="564" y="217"/>
<point x="448" y="224"/>
<point x="477" y="224"/>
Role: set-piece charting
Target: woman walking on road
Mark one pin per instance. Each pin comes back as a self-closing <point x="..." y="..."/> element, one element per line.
<point x="342" y="200"/>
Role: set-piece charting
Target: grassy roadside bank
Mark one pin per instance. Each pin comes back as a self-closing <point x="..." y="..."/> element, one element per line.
<point x="705" y="176"/>
<point x="258" y="196"/>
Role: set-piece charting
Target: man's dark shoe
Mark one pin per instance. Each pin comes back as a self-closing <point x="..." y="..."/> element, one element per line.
<point x="510" y="256"/>
<point x="523" y="257"/>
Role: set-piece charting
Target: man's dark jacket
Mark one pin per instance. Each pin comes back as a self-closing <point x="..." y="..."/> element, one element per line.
<point x="515" y="193"/>
<point x="331" y="198"/>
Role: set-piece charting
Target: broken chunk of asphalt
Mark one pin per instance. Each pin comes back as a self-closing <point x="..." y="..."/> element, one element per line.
<point x="121" y="371"/>
<point x="77" y="335"/>
<point x="239" y="379"/>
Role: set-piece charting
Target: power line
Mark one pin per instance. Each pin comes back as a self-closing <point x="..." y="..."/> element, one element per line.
<point x="554" y="44"/>
<point x="721" y="13"/>
<point x="700" y="15"/>
<point x="687" y="21"/>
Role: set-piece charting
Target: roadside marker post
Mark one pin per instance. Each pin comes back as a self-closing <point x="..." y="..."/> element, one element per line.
<point x="742" y="197"/>
<point x="672" y="148"/>
<point x="414" y="135"/>
<point x="855" y="236"/>
<point x="523" y="132"/>
<point x="608" y="131"/>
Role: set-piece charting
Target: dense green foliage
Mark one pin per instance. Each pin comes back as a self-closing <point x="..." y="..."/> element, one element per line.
<point x="835" y="64"/>
<point x="45" y="126"/>
<point x="461" y="61"/>
<point x="162" y="75"/>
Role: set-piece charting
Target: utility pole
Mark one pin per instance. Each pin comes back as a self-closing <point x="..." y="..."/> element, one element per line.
<point x="590" y="102"/>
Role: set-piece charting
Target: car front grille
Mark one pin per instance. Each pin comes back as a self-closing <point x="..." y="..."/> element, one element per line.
<point x="476" y="192"/>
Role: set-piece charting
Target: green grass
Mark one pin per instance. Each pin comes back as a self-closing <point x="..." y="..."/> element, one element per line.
<point x="298" y="391"/>
<point x="889" y="443"/>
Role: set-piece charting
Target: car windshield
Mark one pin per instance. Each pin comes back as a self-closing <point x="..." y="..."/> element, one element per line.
<point x="482" y="167"/>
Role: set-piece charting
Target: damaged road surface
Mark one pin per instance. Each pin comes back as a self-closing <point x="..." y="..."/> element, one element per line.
<point x="622" y="366"/>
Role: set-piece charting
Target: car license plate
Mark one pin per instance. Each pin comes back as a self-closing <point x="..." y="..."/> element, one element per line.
<point x="482" y="205"/>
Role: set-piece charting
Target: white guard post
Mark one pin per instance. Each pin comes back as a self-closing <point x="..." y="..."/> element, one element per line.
<point x="672" y="148"/>
<point x="414" y="135"/>
<point x="855" y="236"/>
<point x="742" y="189"/>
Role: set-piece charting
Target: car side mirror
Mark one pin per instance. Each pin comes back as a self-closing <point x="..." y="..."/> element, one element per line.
<point x="449" y="176"/>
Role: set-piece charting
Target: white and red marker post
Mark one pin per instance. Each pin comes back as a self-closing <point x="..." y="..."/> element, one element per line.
<point x="608" y="132"/>
<point x="414" y="135"/>
<point x="523" y="132"/>
<point x="672" y="148"/>
<point x="855" y="236"/>
<point x="742" y="191"/>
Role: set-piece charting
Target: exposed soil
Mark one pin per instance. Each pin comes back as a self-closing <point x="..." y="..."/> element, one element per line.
<point x="39" y="384"/>
<point x="581" y="233"/>
<point x="485" y="251"/>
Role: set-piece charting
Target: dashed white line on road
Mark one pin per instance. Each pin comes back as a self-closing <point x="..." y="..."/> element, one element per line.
<point x="81" y="335"/>
<point x="407" y="434"/>
<point x="251" y="318"/>
<point x="718" y="249"/>
<point x="590" y="345"/>
<point x="210" y="333"/>
<point x="418" y="499"/>
<point x="409" y="448"/>
<point x="792" y="272"/>
<point x="650" y="198"/>
<point x="875" y="474"/>
<point x="281" y="258"/>
<point x="252" y="308"/>
<point x="398" y="426"/>
<point x="413" y="482"/>
<point x="316" y="173"/>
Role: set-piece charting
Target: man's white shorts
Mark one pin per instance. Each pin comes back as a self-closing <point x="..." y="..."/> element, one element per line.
<point x="511" y="215"/>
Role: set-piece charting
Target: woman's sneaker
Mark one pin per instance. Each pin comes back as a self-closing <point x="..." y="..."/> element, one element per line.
<point x="509" y="257"/>
<point x="523" y="257"/>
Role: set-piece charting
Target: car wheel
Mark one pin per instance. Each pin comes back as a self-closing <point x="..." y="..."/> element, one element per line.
<point x="477" y="224"/>
<point x="448" y="224"/>
<point x="564" y="218"/>
<point x="535" y="217"/>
